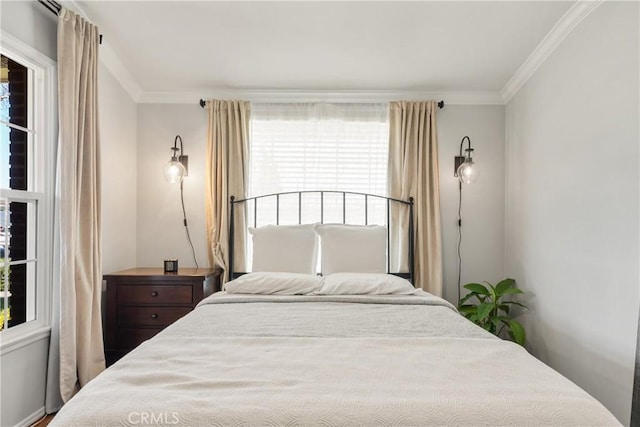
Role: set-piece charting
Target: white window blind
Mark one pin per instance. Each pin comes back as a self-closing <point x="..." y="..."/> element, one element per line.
<point x="304" y="146"/>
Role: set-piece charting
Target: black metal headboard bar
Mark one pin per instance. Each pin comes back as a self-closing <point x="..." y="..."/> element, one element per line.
<point x="231" y="235"/>
<point x="408" y="203"/>
<point x="405" y="202"/>
<point x="366" y="209"/>
<point x="388" y="236"/>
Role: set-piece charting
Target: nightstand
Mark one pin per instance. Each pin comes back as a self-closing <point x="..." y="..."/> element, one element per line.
<point x="143" y="301"/>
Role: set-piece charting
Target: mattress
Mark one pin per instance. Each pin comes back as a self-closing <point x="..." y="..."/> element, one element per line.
<point x="330" y="360"/>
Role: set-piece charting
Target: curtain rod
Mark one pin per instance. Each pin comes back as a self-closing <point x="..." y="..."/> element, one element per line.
<point x="55" y="8"/>
<point x="440" y="104"/>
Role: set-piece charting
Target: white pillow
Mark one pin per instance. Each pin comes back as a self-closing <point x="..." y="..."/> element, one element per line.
<point x="365" y="284"/>
<point x="353" y="248"/>
<point x="267" y="283"/>
<point x="285" y="248"/>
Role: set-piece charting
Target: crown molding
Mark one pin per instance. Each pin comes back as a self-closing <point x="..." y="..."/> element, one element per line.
<point x="565" y="25"/>
<point x="572" y="17"/>
<point x="110" y="59"/>
<point x="450" y="98"/>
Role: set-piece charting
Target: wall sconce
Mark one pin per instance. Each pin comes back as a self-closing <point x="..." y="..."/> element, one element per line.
<point x="467" y="172"/>
<point x="465" y="168"/>
<point x="174" y="171"/>
<point x="178" y="167"/>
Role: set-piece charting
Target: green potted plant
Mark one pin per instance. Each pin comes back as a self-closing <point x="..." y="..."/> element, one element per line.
<point x="486" y="307"/>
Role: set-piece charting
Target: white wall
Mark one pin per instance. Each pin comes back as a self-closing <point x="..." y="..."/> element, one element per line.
<point x="32" y="24"/>
<point x="572" y="204"/>
<point x="161" y="234"/>
<point x="22" y="387"/>
<point x="23" y="370"/>
<point x="160" y="231"/>
<point x="118" y="133"/>
<point x="482" y="246"/>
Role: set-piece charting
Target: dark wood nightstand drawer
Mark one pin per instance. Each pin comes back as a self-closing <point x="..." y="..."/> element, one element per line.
<point x="154" y="294"/>
<point x="149" y="316"/>
<point x="132" y="337"/>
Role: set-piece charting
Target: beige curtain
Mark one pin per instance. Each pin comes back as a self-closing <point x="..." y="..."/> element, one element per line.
<point x="413" y="172"/>
<point x="78" y="196"/>
<point x="226" y="175"/>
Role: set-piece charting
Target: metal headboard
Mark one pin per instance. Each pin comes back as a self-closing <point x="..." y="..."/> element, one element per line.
<point x="404" y="203"/>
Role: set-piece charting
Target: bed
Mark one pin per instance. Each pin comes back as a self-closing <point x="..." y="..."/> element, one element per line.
<point x="345" y="348"/>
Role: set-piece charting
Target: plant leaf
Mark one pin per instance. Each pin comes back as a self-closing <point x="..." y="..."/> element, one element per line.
<point x="503" y="285"/>
<point x="495" y="321"/>
<point x="484" y="310"/>
<point x="478" y="288"/>
<point x="490" y="286"/>
<point x="504" y="307"/>
<point x="516" y="303"/>
<point x="467" y="308"/>
<point x="516" y="331"/>
<point x="466" y="298"/>
<point x="494" y="297"/>
<point x="512" y="291"/>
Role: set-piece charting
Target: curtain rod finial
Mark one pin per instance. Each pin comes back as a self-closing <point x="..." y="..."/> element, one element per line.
<point x="202" y="103"/>
<point x="440" y="104"/>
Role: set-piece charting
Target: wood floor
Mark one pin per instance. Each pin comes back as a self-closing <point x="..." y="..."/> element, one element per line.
<point x="44" y="422"/>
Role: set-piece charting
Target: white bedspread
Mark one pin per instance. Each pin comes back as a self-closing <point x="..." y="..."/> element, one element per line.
<point x="311" y="360"/>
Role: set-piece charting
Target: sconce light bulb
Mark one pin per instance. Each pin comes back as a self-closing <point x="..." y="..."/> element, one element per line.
<point x="173" y="171"/>
<point x="468" y="172"/>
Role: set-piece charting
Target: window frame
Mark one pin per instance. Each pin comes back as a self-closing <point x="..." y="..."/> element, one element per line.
<point x="44" y="143"/>
<point x="311" y="105"/>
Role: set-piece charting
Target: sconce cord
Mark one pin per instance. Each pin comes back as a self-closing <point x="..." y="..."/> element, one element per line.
<point x="186" y="226"/>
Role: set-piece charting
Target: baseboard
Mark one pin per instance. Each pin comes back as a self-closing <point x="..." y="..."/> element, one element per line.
<point x="31" y="418"/>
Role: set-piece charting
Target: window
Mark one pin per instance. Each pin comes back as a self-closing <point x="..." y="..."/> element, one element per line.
<point x="296" y="147"/>
<point x="16" y="213"/>
<point x="26" y="186"/>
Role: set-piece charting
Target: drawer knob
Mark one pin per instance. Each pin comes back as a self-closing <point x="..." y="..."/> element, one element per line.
<point x="154" y="316"/>
<point x="154" y="294"/>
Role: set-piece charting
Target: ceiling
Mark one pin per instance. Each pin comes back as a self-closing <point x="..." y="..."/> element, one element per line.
<point x="184" y="46"/>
